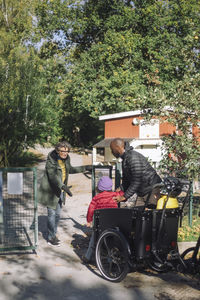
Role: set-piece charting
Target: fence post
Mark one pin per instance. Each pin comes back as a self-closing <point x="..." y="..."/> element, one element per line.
<point x="1" y="208"/>
<point x="35" y="206"/>
<point x="190" y="206"/>
<point x="117" y="174"/>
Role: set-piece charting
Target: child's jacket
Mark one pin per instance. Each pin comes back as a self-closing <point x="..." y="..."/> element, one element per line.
<point x="102" y="200"/>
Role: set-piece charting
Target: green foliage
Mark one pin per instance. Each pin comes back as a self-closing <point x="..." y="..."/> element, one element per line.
<point x="132" y="54"/>
<point x="27" y="115"/>
<point x="54" y="23"/>
<point x="187" y="233"/>
<point x="121" y="51"/>
<point x="184" y="158"/>
<point x="104" y="78"/>
<point x="81" y="59"/>
<point x="25" y="159"/>
<point x="181" y="150"/>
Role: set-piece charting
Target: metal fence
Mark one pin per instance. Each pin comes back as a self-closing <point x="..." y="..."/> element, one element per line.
<point x="97" y="173"/>
<point x="18" y="209"/>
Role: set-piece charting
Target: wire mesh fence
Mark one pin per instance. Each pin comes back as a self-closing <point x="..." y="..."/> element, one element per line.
<point x="18" y="209"/>
<point x="97" y="173"/>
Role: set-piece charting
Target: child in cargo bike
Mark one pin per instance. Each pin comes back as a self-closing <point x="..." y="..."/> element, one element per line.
<point x="104" y="199"/>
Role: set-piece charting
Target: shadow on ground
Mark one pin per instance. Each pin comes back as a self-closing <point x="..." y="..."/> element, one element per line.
<point x="80" y="244"/>
<point x="42" y="226"/>
<point x="42" y="288"/>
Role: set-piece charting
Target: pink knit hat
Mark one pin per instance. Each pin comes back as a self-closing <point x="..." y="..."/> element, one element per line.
<point x="105" y="184"/>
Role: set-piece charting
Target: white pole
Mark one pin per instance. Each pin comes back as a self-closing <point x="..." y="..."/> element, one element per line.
<point x="94" y="155"/>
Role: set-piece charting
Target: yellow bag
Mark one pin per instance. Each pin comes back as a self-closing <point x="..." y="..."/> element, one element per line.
<point x="171" y="203"/>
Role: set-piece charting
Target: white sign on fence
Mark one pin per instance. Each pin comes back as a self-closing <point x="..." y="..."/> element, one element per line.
<point x="15" y="183"/>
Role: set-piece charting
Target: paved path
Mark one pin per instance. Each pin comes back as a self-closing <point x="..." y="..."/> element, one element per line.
<point x="59" y="274"/>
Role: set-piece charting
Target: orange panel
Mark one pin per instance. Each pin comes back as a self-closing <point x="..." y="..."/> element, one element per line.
<point x="124" y="128"/>
<point x="196" y="132"/>
<point x="166" y="128"/>
<point x="121" y="128"/>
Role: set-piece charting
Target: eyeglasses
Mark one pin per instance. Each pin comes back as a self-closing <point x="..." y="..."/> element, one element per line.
<point x="63" y="151"/>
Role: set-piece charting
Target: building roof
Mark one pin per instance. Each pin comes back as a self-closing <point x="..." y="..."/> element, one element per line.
<point x="130" y="113"/>
<point x="106" y="142"/>
<point x="121" y="115"/>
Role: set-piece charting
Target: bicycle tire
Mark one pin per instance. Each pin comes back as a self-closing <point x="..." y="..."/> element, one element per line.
<point x="192" y="266"/>
<point x="112" y="255"/>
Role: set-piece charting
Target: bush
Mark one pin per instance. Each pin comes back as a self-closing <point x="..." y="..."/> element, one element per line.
<point x="187" y="233"/>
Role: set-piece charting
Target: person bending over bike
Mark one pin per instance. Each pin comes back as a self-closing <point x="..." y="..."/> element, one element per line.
<point x="137" y="173"/>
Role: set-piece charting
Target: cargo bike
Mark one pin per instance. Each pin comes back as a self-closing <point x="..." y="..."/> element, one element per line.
<point x="127" y="239"/>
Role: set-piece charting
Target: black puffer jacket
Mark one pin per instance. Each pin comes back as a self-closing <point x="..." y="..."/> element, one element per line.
<point x="138" y="174"/>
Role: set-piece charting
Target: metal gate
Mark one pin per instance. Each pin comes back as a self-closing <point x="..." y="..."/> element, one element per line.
<point x="18" y="209"/>
<point x="97" y="172"/>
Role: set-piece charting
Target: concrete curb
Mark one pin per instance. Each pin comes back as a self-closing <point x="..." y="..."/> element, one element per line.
<point x="182" y="246"/>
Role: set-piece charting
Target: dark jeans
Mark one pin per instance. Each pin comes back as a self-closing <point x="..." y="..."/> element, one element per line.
<point x="91" y="248"/>
<point x="53" y="220"/>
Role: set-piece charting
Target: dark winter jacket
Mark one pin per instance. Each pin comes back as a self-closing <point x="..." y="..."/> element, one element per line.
<point x="50" y="188"/>
<point x="102" y="200"/>
<point x="138" y="174"/>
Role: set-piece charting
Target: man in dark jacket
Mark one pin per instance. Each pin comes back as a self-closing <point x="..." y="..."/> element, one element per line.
<point x="53" y="188"/>
<point x="137" y="173"/>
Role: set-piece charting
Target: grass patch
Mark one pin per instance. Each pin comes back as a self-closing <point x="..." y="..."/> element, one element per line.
<point x="187" y="233"/>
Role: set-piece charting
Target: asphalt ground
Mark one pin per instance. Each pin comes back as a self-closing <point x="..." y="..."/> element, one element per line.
<point x="58" y="273"/>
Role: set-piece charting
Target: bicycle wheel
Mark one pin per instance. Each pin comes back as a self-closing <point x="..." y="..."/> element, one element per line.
<point x="192" y="265"/>
<point x="112" y="255"/>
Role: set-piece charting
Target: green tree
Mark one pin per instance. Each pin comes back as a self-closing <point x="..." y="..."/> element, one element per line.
<point x="124" y="50"/>
<point x="123" y="55"/>
<point x="28" y="112"/>
<point x="181" y="149"/>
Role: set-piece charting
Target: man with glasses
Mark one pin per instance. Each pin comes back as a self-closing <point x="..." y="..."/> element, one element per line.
<point x="53" y="189"/>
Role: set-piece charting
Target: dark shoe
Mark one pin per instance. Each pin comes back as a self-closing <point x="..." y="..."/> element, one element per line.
<point x="85" y="259"/>
<point x="54" y="242"/>
<point x="57" y="239"/>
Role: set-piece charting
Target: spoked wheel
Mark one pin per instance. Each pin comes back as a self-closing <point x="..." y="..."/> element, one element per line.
<point x="192" y="266"/>
<point x="112" y="255"/>
<point x="159" y="265"/>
